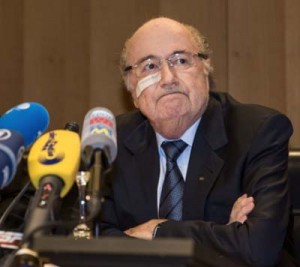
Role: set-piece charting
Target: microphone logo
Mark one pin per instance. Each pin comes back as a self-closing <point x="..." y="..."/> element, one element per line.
<point x="101" y="123"/>
<point x="5" y="134"/>
<point x="5" y="173"/>
<point x="98" y="130"/>
<point x="11" y="151"/>
<point x="49" y="155"/>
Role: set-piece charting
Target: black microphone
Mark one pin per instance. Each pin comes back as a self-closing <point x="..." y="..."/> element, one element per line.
<point x="72" y="126"/>
<point x="99" y="150"/>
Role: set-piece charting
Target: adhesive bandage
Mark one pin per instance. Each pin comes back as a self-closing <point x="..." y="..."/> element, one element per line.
<point x="147" y="82"/>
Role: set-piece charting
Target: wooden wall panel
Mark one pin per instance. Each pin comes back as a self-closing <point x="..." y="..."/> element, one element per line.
<point x="292" y="62"/>
<point x="65" y="53"/>
<point x="77" y="60"/>
<point x="256" y="69"/>
<point x="11" y="53"/>
<point x="56" y="57"/>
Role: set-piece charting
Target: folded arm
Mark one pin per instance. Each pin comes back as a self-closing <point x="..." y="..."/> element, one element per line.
<point x="239" y="213"/>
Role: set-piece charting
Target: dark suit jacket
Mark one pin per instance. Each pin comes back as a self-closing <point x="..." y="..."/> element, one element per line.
<point x="238" y="149"/>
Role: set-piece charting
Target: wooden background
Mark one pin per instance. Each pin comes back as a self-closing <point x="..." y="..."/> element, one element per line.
<point x="64" y="53"/>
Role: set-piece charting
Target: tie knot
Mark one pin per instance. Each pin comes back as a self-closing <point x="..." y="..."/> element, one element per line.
<point x="173" y="149"/>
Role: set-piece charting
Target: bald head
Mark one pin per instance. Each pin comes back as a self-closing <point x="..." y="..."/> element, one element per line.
<point x="159" y="28"/>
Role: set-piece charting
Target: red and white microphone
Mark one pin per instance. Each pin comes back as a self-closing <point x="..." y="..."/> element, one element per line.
<point x="99" y="132"/>
<point x="99" y="150"/>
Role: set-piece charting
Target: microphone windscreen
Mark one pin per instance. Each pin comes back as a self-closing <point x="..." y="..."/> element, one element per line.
<point x="55" y="153"/>
<point x="11" y="151"/>
<point x="99" y="131"/>
<point x="29" y="119"/>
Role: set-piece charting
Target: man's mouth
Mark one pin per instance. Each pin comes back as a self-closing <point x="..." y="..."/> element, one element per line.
<point x="172" y="93"/>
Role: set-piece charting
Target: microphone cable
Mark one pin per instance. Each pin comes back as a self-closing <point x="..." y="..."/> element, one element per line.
<point x="14" y="202"/>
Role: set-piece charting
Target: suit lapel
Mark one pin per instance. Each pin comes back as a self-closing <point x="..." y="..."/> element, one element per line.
<point x="142" y="143"/>
<point x="205" y="164"/>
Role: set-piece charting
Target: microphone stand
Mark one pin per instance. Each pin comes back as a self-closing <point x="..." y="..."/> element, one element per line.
<point x="100" y="164"/>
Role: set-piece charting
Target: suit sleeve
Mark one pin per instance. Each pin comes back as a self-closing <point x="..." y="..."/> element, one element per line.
<point x="259" y="241"/>
<point x="108" y="220"/>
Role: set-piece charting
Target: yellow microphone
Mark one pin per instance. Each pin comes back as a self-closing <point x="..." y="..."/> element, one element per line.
<point x="53" y="162"/>
<point x="55" y="153"/>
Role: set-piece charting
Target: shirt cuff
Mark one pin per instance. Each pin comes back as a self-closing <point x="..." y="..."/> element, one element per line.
<point x="155" y="230"/>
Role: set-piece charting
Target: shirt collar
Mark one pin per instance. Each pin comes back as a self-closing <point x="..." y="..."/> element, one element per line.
<point x="187" y="137"/>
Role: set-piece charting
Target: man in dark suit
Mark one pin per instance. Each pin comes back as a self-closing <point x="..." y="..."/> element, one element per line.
<point x="192" y="163"/>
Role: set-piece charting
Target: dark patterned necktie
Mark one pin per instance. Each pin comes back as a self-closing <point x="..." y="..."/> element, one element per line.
<point x="172" y="192"/>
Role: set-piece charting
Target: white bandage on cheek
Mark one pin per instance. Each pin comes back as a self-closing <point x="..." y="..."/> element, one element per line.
<point x="147" y="82"/>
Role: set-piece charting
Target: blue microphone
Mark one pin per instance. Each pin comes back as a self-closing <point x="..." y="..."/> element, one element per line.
<point x="19" y="128"/>
<point x="29" y="119"/>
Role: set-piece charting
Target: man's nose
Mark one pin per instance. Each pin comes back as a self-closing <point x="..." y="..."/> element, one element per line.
<point x="167" y="73"/>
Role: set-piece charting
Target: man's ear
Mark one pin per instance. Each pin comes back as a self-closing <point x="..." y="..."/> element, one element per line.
<point x="130" y="91"/>
<point x="207" y="67"/>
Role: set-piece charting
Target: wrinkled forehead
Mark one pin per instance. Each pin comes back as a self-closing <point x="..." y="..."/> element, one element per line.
<point x="159" y="38"/>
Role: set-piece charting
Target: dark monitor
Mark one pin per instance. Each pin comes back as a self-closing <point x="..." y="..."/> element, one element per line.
<point x="115" y="252"/>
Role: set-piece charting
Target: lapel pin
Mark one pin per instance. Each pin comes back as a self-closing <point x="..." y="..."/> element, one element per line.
<point x="201" y="178"/>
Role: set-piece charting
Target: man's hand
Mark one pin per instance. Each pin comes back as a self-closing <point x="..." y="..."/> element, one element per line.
<point x="145" y="230"/>
<point x="241" y="208"/>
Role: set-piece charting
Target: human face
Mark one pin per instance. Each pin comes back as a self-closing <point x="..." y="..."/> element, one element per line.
<point x="180" y="97"/>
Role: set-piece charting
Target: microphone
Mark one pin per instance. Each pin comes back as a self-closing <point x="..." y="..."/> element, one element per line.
<point x="29" y="119"/>
<point x="99" y="149"/>
<point x="11" y="151"/>
<point x="53" y="162"/>
<point x="99" y="132"/>
<point x="19" y="127"/>
<point x="72" y="126"/>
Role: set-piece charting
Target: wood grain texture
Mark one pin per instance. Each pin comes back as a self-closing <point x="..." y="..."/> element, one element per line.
<point x="292" y="63"/>
<point x="56" y="58"/>
<point x="11" y="53"/>
<point x="256" y="52"/>
<point x="65" y="53"/>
